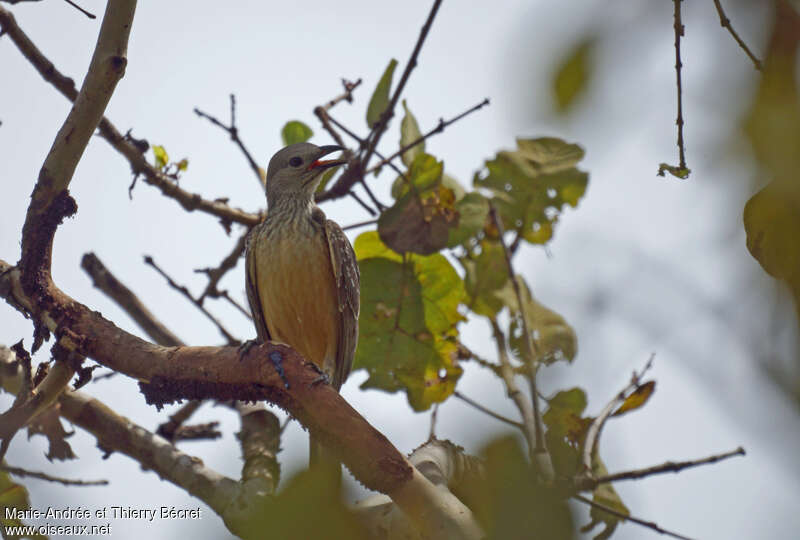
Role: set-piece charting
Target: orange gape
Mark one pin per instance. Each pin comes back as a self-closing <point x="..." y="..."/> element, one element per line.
<point x="297" y="292"/>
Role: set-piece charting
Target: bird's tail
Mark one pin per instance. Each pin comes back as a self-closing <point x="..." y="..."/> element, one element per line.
<point x="321" y="460"/>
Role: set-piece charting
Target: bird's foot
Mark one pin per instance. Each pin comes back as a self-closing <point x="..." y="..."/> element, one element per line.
<point x="321" y="378"/>
<point x="277" y="362"/>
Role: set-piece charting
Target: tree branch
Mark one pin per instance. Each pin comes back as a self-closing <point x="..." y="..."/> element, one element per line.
<point x="649" y="524"/>
<point x="725" y="22"/>
<point x="24" y="473"/>
<point x="139" y="165"/>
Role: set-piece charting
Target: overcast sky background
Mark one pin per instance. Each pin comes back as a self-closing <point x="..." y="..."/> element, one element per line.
<point x="643" y="265"/>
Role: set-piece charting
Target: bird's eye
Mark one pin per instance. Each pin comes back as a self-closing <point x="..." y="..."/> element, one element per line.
<point x="296" y="161"/>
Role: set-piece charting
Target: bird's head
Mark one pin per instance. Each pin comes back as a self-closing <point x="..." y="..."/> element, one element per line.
<point x="295" y="171"/>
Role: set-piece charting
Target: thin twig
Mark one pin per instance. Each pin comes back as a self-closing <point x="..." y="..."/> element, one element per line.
<point x="24" y="473"/>
<point x="185" y="292"/>
<point x="233" y="131"/>
<point x="649" y="524"/>
<point x="216" y="274"/>
<point x="360" y="224"/>
<point x="79" y="8"/>
<point x="490" y="412"/>
<point x="347" y="95"/>
<point x="169" y="428"/>
<point x="440" y="127"/>
<point x="725" y="22"/>
<point x="593" y="433"/>
<point x="237" y="305"/>
<point x="532" y="352"/>
<point x="434" y="414"/>
<point x="679" y="32"/>
<point x="669" y="466"/>
<point x="364" y="205"/>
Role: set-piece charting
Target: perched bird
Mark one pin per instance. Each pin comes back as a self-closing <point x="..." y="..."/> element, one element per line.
<point x="302" y="274"/>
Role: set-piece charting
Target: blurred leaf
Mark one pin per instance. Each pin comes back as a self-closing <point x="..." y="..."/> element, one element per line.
<point x="450" y="182"/>
<point x="484" y="278"/>
<point x="572" y="75"/>
<point x="183" y="164"/>
<point x="637" y="399"/>
<point x="552" y="336"/>
<point x="48" y="423"/>
<point x="286" y="515"/>
<point x="161" y="156"/>
<point x="511" y="503"/>
<point x="12" y="496"/>
<point x="409" y="310"/>
<point x="419" y="225"/>
<point x="532" y="184"/>
<point x="424" y="173"/>
<point x="409" y="132"/>
<point x="566" y="429"/>
<point x="606" y="495"/>
<point x="472" y="211"/>
<point x="380" y="97"/>
<point x="295" y="131"/>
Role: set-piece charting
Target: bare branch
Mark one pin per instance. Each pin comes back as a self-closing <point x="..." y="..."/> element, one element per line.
<point x="79" y="8"/>
<point x="649" y="524"/>
<point x="440" y="127"/>
<point x="593" y="433"/>
<point x="490" y="412"/>
<point x="104" y="280"/>
<point x="24" y="473"/>
<point x="360" y="224"/>
<point x="233" y="131"/>
<point x="347" y="95"/>
<point x="199" y="305"/>
<point x="227" y="264"/>
<point x="139" y="165"/>
<point x="725" y="22"/>
<point x="681" y="171"/>
<point x="669" y="466"/>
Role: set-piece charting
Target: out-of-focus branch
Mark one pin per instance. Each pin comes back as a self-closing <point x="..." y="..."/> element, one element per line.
<point x="233" y="131"/>
<point x="104" y="280"/>
<point x="24" y="473"/>
<point x="489" y="412"/>
<point x="260" y="438"/>
<point x="725" y="22"/>
<point x="227" y="264"/>
<point x="681" y="171"/>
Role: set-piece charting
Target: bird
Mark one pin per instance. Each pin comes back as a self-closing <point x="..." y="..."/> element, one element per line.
<point x="302" y="278"/>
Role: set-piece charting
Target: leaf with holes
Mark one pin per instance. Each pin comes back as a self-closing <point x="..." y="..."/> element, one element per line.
<point x="407" y="327"/>
<point x="532" y="184"/>
<point x="419" y="224"/>
<point x="472" y="208"/>
<point x="485" y="277"/>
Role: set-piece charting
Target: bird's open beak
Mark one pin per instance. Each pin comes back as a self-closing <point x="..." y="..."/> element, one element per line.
<point x="321" y="164"/>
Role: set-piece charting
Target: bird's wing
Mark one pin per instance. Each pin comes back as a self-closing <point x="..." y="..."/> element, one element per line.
<point x="347" y="278"/>
<point x="251" y="283"/>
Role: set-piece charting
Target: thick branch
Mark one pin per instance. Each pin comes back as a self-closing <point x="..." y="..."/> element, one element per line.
<point x="173" y="373"/>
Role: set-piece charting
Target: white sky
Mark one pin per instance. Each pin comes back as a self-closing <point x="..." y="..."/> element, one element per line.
<point x="644" y="264"/>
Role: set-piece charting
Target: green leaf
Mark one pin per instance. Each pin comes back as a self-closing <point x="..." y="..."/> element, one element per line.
<point x="409" y="311"/>
<point x="380" y="97"/>
<point x="183" y="164"/>
<point x="532" y="184"/>
<point x="566" y="429"/>
<point x="552" y="337"/>
<point x="424" y="173"/>
<point x="295" y="131"/>
<point x="409" y="132"/>
<point x="485" y="277"/>
<point x="161" y="156"/>
<point x="472" y="211"/>
<point x="772" y="223"/>
<point x="572" y="76"/>
<point x="450" y="182"/>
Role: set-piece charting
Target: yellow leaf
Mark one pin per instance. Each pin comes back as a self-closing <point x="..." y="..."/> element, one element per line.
<point x="638" y="398"/>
